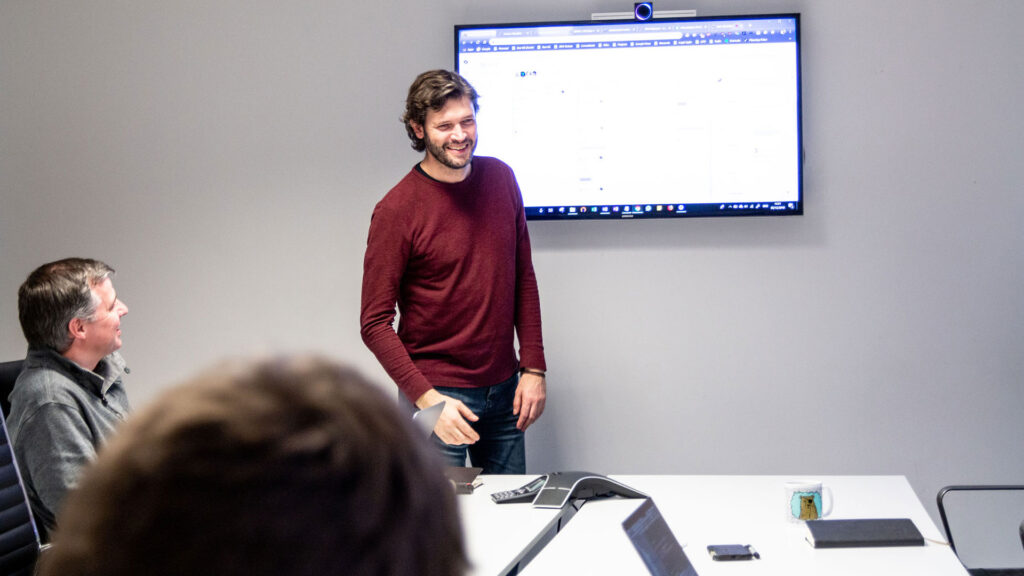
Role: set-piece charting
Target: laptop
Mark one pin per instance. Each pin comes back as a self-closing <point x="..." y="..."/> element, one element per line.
<point x="427" y="418"/>
<point x="464" y="479"/>
<point x="655" y="543"/>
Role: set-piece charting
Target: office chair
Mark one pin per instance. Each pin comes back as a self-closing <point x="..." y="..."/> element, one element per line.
<point x="8" y="374"/>
<point x="982" y="524"/>
<point x="19" y="539"/>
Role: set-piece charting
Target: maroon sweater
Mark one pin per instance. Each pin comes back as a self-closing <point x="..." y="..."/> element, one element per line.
<point x="456" y="259"/>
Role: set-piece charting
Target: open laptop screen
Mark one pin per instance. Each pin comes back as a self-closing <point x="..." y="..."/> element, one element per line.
<point x="653" y="539"/>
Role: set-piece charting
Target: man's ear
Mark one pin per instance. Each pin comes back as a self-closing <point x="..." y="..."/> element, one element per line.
<point x="76" y="328"/>
<point x="417" y="129"/>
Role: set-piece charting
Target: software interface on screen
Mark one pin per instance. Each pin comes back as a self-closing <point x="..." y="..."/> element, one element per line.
<point x="634" y="118"/>
<point x="655" y="543"/>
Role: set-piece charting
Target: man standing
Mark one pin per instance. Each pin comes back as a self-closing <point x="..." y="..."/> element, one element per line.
<point x="69" y="396"/>
<point x="449" y="245"/>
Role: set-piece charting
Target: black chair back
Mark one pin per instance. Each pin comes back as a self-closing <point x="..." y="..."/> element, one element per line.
<point x="19" y="540"/>
<point x="8" y="374"/>
<point x="980" y="521"/>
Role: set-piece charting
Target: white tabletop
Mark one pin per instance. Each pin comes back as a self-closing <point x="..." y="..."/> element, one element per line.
<point x="701" y="510"/>
<point x="499" y="536"/>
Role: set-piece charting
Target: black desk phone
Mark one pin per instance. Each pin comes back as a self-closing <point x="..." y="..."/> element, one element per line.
<point x="554" y="490"/>
<point x="525" y="493"/>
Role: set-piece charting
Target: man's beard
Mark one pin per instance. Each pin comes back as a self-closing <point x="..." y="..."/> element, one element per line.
<point x="441" y="155"/>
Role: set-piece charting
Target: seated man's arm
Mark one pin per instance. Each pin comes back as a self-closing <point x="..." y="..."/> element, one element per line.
<point x="53" y="445"/>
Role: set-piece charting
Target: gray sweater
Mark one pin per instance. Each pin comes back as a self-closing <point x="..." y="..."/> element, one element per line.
<point x="60" y="414"/>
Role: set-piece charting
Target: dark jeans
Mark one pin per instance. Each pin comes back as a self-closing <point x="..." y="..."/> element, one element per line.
<point x="501" y="448"/>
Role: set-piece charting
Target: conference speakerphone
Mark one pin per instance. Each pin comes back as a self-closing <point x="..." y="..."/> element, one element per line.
<point x="554" y="490"/>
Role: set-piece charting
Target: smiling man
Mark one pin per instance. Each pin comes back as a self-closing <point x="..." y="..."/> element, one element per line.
<point x="449" y="245"/>
<point x="69" y="396"/>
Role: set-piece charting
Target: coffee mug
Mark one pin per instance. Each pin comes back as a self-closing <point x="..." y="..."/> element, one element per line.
<point x="805" y="500"/>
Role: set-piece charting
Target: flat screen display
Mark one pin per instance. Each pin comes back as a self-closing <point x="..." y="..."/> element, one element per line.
<point x="665" y="118"/>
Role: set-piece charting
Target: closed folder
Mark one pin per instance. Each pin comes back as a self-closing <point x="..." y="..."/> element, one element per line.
<point x="863" y="533"/>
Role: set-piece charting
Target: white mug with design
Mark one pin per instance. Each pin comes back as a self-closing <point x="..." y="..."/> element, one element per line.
<point x="806" y="499"/>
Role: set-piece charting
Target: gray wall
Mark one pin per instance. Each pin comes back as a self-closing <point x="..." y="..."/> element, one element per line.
<point x="225" y="157"/>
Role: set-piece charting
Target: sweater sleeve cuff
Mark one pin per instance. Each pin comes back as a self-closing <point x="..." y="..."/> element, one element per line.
<point x="532" y="360"/>
<point x="415" y="388"/>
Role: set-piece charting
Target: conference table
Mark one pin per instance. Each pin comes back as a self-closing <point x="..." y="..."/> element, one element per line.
<point x="700" y="510"/>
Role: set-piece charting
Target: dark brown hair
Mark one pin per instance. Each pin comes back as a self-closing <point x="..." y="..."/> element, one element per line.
<point x="283" y="467"/>
<point x="430" y="91"/>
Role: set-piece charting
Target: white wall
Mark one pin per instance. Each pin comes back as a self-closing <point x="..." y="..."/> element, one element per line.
<point x="224" y="157"/>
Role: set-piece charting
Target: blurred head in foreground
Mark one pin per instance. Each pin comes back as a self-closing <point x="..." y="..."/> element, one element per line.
<point x="287" y="466"/>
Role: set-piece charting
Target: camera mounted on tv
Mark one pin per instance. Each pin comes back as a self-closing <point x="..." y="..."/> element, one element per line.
<point x="643" y="11"/>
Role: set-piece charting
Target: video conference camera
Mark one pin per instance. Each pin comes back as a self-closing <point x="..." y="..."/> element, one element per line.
<point x="643" y="11"/>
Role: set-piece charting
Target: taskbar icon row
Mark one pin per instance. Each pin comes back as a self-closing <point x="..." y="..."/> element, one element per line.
<point x="616" y="209"/>
<point x="662" y="210"/>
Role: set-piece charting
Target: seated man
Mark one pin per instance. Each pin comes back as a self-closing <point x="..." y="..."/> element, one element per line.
<point x="69" y="396"/>
<point x="284" y="467"/>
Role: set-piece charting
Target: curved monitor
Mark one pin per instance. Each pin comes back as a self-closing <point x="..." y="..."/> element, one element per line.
<point x="666" y="118"/>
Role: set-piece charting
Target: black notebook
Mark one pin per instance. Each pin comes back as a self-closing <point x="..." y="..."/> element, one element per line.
<point x="863" y="533"/>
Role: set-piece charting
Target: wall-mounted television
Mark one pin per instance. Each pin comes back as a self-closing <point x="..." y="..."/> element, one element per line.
<point x="664" y="118"/>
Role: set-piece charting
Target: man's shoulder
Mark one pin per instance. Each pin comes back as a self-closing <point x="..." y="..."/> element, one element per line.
<point x="492" y="173"/>
<point x="402" y="196"/>
<point x="40" y="385"/>
<point x="490" y="166"/>
<point x="490" y="162"/>
<point x="410" y="183"/>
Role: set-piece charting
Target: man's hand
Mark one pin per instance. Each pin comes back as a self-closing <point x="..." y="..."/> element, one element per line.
<point x="452" y="427"/>
<point x="530" y="396"/>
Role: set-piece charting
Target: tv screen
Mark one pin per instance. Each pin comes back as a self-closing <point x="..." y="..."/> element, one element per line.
<point x="664" y="118"/>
